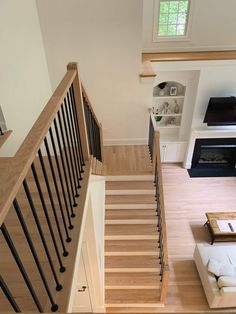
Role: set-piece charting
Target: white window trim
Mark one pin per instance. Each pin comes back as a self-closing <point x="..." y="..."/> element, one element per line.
<point x="157" y="38"/>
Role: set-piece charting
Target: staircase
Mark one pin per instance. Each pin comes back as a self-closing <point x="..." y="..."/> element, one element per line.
<point x="132" y="265"/>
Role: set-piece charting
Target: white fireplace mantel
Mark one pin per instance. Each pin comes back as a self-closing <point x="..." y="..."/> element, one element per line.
<point x="205" y="133"/>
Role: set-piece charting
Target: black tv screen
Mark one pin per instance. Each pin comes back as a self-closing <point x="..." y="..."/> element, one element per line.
<point x="221" y="111"/>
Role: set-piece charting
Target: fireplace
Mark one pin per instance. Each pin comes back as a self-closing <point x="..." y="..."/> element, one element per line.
<point x="214" y="157"/>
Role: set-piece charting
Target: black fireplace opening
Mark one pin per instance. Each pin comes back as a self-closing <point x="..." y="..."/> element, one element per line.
<point x="214" y="158"/>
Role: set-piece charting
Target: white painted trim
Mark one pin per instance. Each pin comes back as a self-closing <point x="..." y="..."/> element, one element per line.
<point x="206" y="133"/>
<point x="126" y="141"/>
<point x="190" y="48"/>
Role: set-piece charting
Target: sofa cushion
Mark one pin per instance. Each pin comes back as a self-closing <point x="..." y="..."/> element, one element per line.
<point x="226" y="281"/>
<point x="220" y="269"/>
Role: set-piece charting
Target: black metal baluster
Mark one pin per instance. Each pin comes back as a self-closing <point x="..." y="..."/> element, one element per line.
<point x="80" y="167"/>
<point x="21" y="267"/>
<point x="99" y="145"/>
<point x="30" y="200"/>
<point x="73" y="144"/>
<point x="62" y="268"/>
<point x="54" y="306"/>
<point x="88" y="126"/>
<point x="77" y="126"/>
<point x="91" y="131"/>
<point x="68" y="239"/>
<point x="8" y="295"/>
<point x="64" y="170"/>
<point x="65" y="253"/>
<point x="95" y="138"/>
<point x="69" y="149"/>
<point x="60" y="177"/>
<point x="67" y="160"/>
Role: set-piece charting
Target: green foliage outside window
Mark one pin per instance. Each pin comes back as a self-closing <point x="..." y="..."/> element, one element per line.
<point x="173" y="17"/>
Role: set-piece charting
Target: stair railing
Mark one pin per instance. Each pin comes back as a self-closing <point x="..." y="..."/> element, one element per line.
<point x="94" y="129"/>
<point x="47" y="180"/>
<point x="154" y="148"/>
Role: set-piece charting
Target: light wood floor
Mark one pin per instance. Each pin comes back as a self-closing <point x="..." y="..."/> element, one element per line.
<point x="127" y="160"/>
<point x="186" y="201"/>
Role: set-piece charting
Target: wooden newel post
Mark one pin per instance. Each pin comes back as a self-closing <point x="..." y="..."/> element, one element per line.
<point x="80" y="110"/>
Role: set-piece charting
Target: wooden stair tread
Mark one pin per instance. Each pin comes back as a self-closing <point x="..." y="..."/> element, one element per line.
<point x="130" y="214"/>
<point x="139" y="296"/>
<point x="132" y="279"/>
<point x="121" y="185"/>
<point x="137" y="206"/>
<point x="131" y="221"/>
<point x="129" y="229"/>
<point x="130" y="245"/>
<point x="132" y="262"/>
<point x="130" y="199"/>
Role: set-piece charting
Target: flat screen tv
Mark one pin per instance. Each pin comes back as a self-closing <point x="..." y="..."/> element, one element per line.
<point x="221" y="111"/>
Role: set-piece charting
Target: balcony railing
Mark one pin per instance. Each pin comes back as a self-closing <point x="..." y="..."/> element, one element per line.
<point x="42" y="198"/>
<point x="154" y="148"/>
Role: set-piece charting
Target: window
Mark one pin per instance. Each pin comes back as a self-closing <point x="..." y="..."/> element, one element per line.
<point x="171" y="19"/>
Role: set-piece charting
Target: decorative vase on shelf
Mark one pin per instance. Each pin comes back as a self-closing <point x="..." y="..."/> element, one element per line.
<point x="162" y="88"/>
<point x="176" y="109"/>
<point x="158" y="119"/>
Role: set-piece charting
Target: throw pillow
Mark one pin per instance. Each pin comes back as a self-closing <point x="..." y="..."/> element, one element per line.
<point x="226" y="281"/>
<point x="214" y="267"/>
<point x="220" y="269"/>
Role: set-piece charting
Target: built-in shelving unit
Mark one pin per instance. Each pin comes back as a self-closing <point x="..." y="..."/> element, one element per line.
<point x="168" y="102"/>
<point x="168" y="105"/>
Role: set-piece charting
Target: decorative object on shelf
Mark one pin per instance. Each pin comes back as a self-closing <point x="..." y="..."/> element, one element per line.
<point x="158" y="118"/>
<point x="173" y="91"/>
<point x="162" y="87"/>
<point x="176" y="108"/>
<point x="171" y="121"/>
<point x="166" y="108"/>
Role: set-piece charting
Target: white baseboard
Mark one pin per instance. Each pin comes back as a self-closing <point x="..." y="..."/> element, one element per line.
<point x="126" y="141"/>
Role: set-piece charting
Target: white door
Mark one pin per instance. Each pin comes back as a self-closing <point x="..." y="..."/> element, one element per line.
<point x="82" y="301"/>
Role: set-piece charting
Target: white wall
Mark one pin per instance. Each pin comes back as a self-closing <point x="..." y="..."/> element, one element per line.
<point x="105" y="38"/>
<point x="213" y="27"/>
<point x="24" y="80"/>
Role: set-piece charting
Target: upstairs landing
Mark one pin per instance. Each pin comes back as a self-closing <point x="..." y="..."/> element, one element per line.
<point x="127" y="160"/>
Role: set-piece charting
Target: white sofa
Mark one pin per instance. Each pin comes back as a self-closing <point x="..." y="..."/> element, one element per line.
<point x="216" y="297"/>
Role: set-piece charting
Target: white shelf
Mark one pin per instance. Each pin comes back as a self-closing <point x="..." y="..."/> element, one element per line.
<point x="159" y="97"/>
<point x="168" y="115"/>
<point x="159" y="126"/>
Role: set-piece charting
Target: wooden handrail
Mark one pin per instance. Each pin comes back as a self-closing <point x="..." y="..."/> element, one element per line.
<point x="157" y="162"/>
<point x="156" y="159"/>
<point x="149" y="57"/>
<point x="89" y="104"/>
<point x="63" y="123"/>
<point x="15" y="169"/>
<point x="189" y="56"/>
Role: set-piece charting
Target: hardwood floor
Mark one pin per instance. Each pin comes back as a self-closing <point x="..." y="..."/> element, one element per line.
<point x="186" y="201"/>
<point x="127" y="160"/>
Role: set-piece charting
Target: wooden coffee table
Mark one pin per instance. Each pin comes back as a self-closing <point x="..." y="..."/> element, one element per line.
<point x="216" y="233"/>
